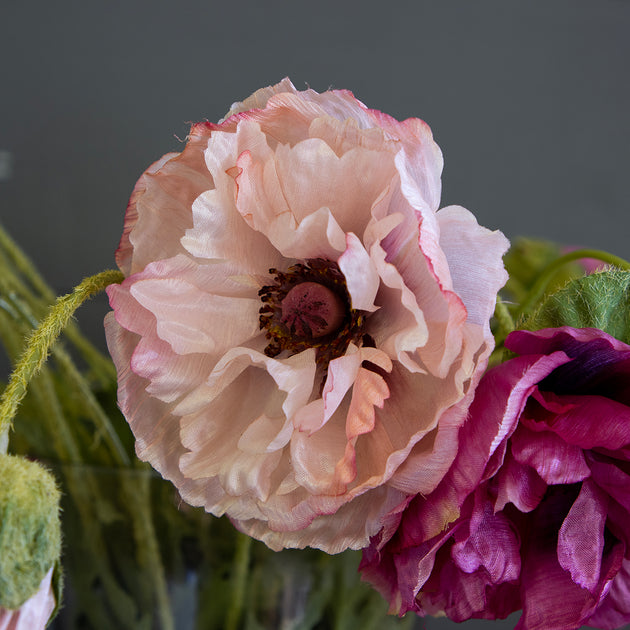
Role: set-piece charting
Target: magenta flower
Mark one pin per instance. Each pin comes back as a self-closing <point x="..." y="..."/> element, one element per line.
<point x="545" y="460"/>
<point x="300" y="332"/>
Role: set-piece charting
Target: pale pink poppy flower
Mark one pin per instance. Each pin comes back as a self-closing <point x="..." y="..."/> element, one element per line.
<point x="34" y="613"/>
<point x="300" y="332"/>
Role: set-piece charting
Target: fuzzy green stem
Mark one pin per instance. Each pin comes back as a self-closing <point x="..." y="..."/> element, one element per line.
<point x="41" y="341"/>
<point x="504" y="320"/>
<point x="240" y="569"/>
<point x="547" y="274"/>
<point x="87" y="397"/>
<point x="17" y="273"/>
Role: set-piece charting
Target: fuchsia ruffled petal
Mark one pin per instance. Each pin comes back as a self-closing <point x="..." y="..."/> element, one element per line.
<point x="534" y="512"/>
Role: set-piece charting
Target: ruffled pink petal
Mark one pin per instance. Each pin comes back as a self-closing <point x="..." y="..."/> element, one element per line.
<point x="334" y="525"/>
<point x="187" y="300"/>
<point x="259" y="98"/>
<point x="345" y="135"/>
<point x="309" y="451"/>
<point x="294" y="375"/>
<point x="396" y="238"/>
<point x="414" y="439"/>
<point x="316" y="456"/>
<point x="220" y="233"/>
<point x="261" y="202"/>
<point x="124" y="253"/>
<point x="312" y="176"/>
<point x="159" y="209"/>
<point x="473" y="254"/>
<point x="401" y="328"/>
<point x="340" y="377"/>
<point x="420" y="152"/>
<point x="342" y="104"/>
<point x="244" y="390"/>
<point x="370" y="390"/>
<point x="360" y="274"/>
<point x="155" y="428"/>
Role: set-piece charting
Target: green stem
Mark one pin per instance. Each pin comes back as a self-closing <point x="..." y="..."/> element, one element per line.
<point x="547" y="274"/>
<point x="87" y="397"/>
<point x="504" y="320"/>
<point x="24" y="265"/>
<point x="239" y="580"/>
<point x="13" y="262"/>
<point x="138" y="490"/>
<point x="41" y="341"/>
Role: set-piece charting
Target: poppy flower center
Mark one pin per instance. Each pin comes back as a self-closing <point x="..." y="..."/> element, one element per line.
<point x="308" y="306"/>
<point x="311" y="309"/>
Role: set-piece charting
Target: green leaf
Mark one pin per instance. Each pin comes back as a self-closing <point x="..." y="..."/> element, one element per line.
<point x="525" y="261"/>
<point x="601" y="300"/>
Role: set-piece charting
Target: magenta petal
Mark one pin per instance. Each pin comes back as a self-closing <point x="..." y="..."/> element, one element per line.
<point x="414" y="566"/>
<point x="492" y="544"/>
<point x="611" y="479"/>
<point x="551" y="599"/>
<point x="614" y="611"/>
<point x="494" y="413"/>
<point x="575" y="425"/>
<point x="460" y="595"/>
<point x="518" y="484"/>
<point x="553" y="459"/>
<point x="581" y="537"/>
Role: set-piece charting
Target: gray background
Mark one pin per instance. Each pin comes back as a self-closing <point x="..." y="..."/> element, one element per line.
<point x="528" y="100"/>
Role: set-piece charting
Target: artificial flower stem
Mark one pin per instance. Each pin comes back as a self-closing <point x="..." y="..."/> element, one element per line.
<point x="92" y="407"/>
<point x="14" y="262"/>
<point x="149" y="550"/>
<point x="40" y="343"/>
<point x="504" y="320"/>
<point x="547" y="274"/>
<point x="240" y="569"/>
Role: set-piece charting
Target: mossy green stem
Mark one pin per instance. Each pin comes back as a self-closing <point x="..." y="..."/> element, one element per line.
<point x="41" y="341"/>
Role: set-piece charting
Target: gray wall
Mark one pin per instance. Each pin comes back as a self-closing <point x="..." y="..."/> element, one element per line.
<point x="529" y="101"/>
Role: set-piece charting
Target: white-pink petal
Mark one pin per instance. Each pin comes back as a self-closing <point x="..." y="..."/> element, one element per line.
<point x="360" y="273"/>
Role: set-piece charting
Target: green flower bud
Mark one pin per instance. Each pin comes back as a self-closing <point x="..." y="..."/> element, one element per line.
<point x="30" y="529"/>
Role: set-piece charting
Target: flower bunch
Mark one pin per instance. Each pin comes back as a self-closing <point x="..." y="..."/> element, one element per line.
<point x="302" y="340"/>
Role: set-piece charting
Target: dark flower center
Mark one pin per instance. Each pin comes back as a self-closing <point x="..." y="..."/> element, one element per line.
<point x="312" y="310"/>
<point x="308" y="306"/>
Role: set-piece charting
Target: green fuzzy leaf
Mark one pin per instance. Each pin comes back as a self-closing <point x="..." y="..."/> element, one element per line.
<point x="601" y="300"/>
